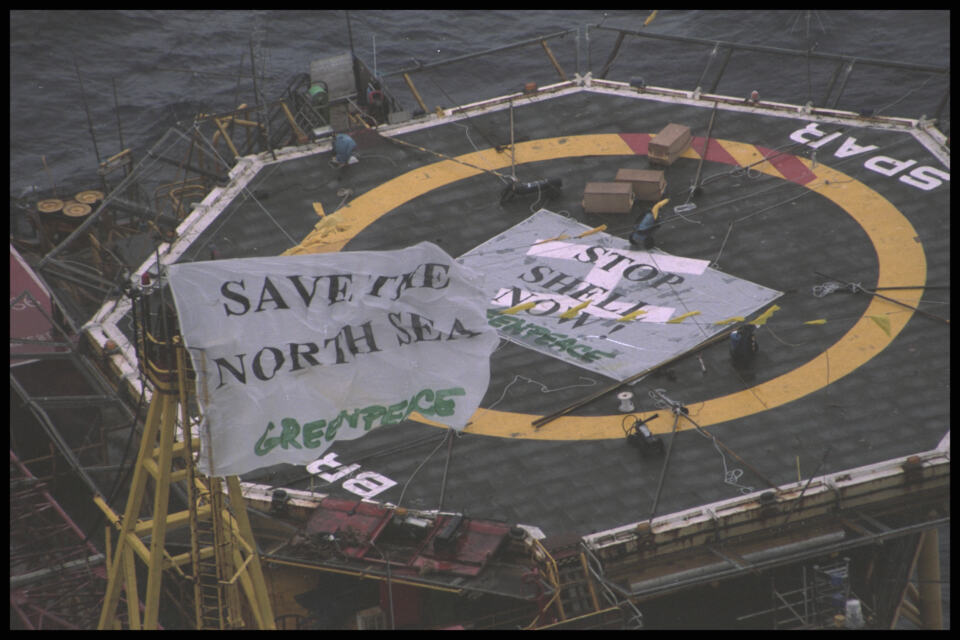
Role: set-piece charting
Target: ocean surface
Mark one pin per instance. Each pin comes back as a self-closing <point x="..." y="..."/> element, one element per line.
<point x="86" y="84"/>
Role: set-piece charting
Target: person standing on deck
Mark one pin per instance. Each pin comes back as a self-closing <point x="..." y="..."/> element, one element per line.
<point x="642" y="235"/>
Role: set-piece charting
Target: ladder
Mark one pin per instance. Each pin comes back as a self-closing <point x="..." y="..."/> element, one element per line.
<point x="208" y="595"/>
<point x="577" y="595"/>
<point x="223" y="557"/>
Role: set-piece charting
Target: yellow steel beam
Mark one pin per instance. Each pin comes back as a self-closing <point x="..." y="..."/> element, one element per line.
<point x="180" y="449"/>
<point x="234" y="546"/>
<point x="246" y="123"/>
<point x="553" y="577"/>
<point x="174" y="521"/>
<point x="586" y="575"/>
<point x="133" y="594"/>
<point x="909" y="611"/>
<point x="155" y="471"/>
<point x="302" y="137"/>
<point x="160" y="503"/>
<point x="135" y="501"/>
<point x="553" y="60"/>
<point x="226" y="137"/>
<point x="928" y="575"/>
<point x="258" y="595"/>
<point x="185" y="557"/>
<point x="413" y="90"/>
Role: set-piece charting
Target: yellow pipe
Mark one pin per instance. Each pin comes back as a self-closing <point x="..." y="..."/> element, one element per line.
<point x="130" y="580"/>
<point x="553" y="60"/>
<point x="183" y="558"/>
<point x="174" y="521"/>
<point x="247" y="123"/>
<point x="301" y="136"/>
<point x="911" y="613"/>
<point x="161" y="502"/>
<point x="416" y="94"/>
<point x="180" y="448"/>
<point x="226" y="137"/>
<point x="126" y="525"/>
<point x="257" y="594"/>
<point x="175" y="476"/>
<point x="586" y="574"/>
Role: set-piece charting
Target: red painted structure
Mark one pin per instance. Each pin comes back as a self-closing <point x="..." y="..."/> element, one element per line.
<point x="412" y="545"/>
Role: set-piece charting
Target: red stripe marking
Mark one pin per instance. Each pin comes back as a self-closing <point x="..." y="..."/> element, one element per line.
<point x="637" y="141"/>
<point x="715" y="151"/>
<point x="788" y="165"/>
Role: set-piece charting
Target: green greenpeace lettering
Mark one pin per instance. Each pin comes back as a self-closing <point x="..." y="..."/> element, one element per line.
<point x="540" y="336"/>
<point x="313" y="434"/>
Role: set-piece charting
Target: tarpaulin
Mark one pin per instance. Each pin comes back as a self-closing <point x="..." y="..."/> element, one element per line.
<point x="588" y="298"/>
<point x="293" y="353"/>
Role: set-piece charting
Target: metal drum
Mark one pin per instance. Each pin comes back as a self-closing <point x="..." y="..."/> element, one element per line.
<point x="89" y="197"/>
<point x="76" y="210"/>
<point x="50" y="205"/>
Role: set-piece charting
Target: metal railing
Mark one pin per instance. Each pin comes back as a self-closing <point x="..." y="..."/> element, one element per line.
<point x="842" y="69"/>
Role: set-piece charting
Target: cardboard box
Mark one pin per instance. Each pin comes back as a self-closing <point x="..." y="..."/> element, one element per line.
<point x="666" y="146"/>
<point x="647" y="184"/>
<point x="608" y="197"/>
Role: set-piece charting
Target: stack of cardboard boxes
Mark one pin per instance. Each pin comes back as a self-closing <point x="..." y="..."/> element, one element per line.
<point x="638" y="184"/>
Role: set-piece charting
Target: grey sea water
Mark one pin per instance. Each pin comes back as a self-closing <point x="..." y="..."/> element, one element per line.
<point x="138" y="72"/>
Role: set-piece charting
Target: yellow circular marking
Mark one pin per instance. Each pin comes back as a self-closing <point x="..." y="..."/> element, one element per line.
<point x="899" y="255"/>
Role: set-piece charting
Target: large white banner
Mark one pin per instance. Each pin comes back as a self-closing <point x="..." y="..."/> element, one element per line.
<point x="558" y="287"/>
<point x="293" y="353"/>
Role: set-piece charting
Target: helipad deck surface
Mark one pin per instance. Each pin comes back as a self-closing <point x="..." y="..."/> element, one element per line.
<point x="842" y="380"/>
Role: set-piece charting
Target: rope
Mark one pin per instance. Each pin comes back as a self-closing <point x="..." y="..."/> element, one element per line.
<point x="446" y="467"/>
<point x="543" y="387"/>
<point x="415" y="471"/>
<point x="716" y="261"/>
<point x="666" y="462"/>
<point x="730" y="476"/>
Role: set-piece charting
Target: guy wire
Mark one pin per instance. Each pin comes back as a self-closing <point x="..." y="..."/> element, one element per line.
<point x="666" y="462"/>
<point x="420" y="466"/>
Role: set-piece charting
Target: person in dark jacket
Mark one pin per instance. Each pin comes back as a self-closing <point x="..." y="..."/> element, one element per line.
<point x="642" y="236"/>
<point x="343" y="146"/>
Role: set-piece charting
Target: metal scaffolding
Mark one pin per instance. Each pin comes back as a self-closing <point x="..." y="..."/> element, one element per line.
<point x="56" y="574"/>
<point x="223" y="560"/>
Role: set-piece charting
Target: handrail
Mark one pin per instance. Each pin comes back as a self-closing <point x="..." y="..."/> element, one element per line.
<point x="552" y="574"/>
<point x="779" y="50"/>
<point x="468" y="56"/>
